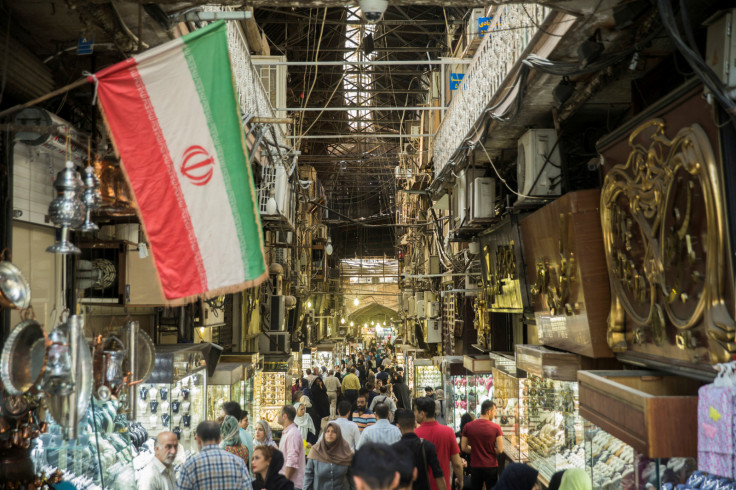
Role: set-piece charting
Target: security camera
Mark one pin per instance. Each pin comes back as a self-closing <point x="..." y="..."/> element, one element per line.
<point x="373" y="9"/>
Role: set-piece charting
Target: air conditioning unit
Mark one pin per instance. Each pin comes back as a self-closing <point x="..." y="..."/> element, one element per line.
<point x="421" y="313"/>
<point x="432" y="309"/>
<point x="434" y="330"/>
<point x="402" y="173"/>
<point x="278" y="310"/>
<point x="275" y="183"/>
<point x="484" y="198"/>
<point x="281" y="256"/>
<point x="535" y="178"/>
<point x="273" y="79"/>
<point x="462" y="198"/>
<point x="472" y="30"/>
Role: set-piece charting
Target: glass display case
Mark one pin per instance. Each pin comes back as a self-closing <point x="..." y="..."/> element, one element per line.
<point x="100" y="457"/>
<point x="509" y="387"/>
<point x="252" y="363"/>
<point x="466" y="393"/>
<point x="555" y="427"/>
<point x="425" y="374"/>
<point x="272" y="391"/>
<point x="225" y="385"/>
<point x="614" y="465"/>
<point x="175" y="396"/>
<point x="323" y="357"/>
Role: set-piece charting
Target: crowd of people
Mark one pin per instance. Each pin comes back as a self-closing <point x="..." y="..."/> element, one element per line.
<point x="352" y="427"/>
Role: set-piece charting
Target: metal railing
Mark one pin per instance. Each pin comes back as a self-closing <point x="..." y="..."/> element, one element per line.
<point x="253" y="97"/>
<point x="513" y="28"/>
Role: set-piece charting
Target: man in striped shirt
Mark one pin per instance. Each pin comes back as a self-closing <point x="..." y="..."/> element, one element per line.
<point x="382" y="432"/>
<point x="362" y="416"/>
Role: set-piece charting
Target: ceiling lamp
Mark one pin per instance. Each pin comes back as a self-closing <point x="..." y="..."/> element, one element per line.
<point x="356" y="302"/>
<point x="352" y="324"/>
<point x="309" y="304"/>
<point x="342" y="321"/>
<point x="328" y="248"/>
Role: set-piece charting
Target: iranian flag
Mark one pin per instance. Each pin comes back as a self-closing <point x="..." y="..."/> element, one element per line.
<point x="174" y="118"/>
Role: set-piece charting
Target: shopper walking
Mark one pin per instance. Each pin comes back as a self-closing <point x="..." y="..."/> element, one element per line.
<point x="213" y="468"/>
<point x="362" y="416"/>
<point x="159" y="473"/>
<point x="231" y="438"/>
<point x="382" y="431"/>
<point x="402" y="392"/>
<point x="320" y="401"/>
<point x="384" y="398"/>
<point x="483" y="439"/>
<point x="375" y="467"/>
<point x="267" y="462"/>
<point x="576" y="479"/>
<point x="332" y="385"/>
<point x="246" y="433"/>
<point x="292" y="445"/>
<point x="304" y="423"/>
<point x="328" y="463"/>
<point x="351" y="386"/>
<point x="263" y="436"/>
<point x="443" y="439"/>
<point x="517" y="476"/>
<point x="424" y="453"/>
<point x="350" y="430"/>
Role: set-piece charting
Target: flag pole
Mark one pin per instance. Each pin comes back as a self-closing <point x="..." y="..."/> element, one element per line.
<point x="38" y="100"/>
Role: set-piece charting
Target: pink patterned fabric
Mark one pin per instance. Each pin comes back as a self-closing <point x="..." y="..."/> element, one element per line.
<point x="716" y="430"/>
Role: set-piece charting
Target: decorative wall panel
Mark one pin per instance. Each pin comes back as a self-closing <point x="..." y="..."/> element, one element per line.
<point x="566" y="271"/>
<point x="665" y="237"/>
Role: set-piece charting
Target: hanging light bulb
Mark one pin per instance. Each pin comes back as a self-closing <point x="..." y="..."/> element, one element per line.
<point x="372" y="322"/>
<point x="309" y="304"/>
<point x="328" y="248"/>
<point x="356" y="302"/>
<point x="365" y="325"/>
<point x="352" y="324"/>
<point x="384" y="324"/>
<point x="342" y="321"/>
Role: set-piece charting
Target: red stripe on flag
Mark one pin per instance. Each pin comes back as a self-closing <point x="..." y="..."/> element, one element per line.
<point x="151" y="172"/>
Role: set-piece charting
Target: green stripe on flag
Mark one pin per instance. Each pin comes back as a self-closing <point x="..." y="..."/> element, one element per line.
<point x="206" y="52"/>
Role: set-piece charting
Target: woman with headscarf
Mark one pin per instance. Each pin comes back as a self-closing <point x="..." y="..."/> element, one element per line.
<point x="262" y="435"/>
<point x="319" y="399"/>
<point x="267" y="462"/>
<point x="230" y="432"/>
<point x="328" y="463"/>
<point x="517" y="476"/>
<point x="305" y="423"/>
<point x="576" y="479"/>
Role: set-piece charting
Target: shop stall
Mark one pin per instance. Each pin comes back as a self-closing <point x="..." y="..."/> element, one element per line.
<point x="634" y="431"/>
<point x="425" y="374"/>
<point x="175" y="396"/>
<point x="510" y="389"/>
<point x="323" y="355"/>
<point x="470" y="388"/>
<point x="252" y="365"/>
<point x="224" y="386"/>
<point x="272" y="389"/>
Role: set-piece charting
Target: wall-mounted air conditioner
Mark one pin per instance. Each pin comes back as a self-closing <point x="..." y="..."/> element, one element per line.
<point x="402" y="172"/>
<point x="536" y="175"/>
<point x="483" y="201"/>
<point x="275" y="184"/>
<point x="434" y="330"/>
<point x="421" y="313"/>
<point x="432" y="309"/>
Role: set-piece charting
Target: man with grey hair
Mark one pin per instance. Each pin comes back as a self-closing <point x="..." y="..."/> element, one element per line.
<point x="159" y="473"/>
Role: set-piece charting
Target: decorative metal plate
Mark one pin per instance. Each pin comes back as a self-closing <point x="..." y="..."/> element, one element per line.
<point x="23" y="359"/>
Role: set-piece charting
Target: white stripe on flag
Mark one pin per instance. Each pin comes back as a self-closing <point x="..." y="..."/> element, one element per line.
<point x="179" y="110"/>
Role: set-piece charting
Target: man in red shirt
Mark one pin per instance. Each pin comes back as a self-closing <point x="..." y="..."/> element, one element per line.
<point x="483" y="439"/>
<point x="443" y="439"/>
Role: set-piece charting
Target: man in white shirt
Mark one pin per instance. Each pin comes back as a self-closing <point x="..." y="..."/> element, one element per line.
<point x="349" y="429"/>
<point x="382" y="432"/>
<point x="159" y="473"/>
<point x="332" y="385"/>
<point x="310" y="377"/>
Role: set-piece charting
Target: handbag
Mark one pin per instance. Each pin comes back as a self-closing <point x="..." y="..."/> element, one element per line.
<point x="716" y="424"/>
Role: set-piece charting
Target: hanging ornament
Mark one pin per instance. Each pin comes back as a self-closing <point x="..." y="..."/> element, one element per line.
<point x="67" y="209"/>
<point x="91" y="198"/>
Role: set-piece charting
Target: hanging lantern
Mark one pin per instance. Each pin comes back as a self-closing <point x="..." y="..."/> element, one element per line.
<point x="91" y="198"/>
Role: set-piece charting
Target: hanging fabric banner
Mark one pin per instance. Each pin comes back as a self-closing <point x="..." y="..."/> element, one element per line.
<point x="174" y="118"/>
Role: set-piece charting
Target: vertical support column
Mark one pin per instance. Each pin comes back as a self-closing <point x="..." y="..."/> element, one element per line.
<point x="133" y="327"/>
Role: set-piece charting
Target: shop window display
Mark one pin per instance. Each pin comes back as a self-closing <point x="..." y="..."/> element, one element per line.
<point x="178" y="407"/>
<point x="511" y="412"/>
<point x="555" y="426"/>
<point x="466" y="394"/>
<point x="100" y="457"/>
<point x="614" y="465"/>
<point x="272" y="391"/>
<point x="425" y="374"/>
